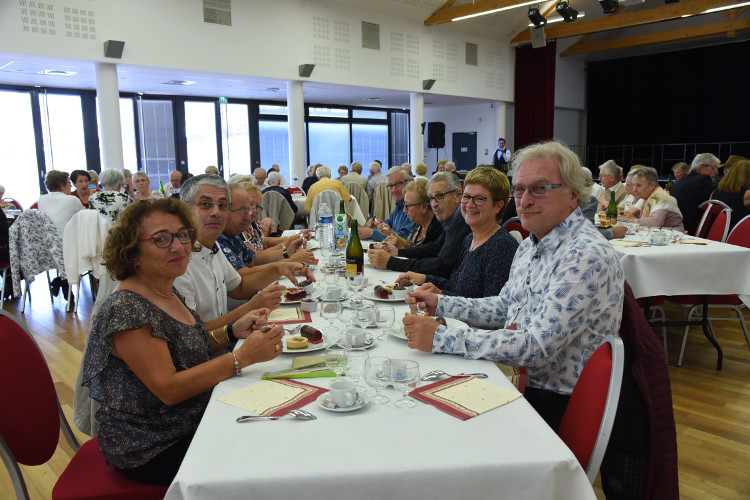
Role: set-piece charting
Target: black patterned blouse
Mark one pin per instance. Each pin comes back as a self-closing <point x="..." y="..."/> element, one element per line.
<point x="134" y="425"/>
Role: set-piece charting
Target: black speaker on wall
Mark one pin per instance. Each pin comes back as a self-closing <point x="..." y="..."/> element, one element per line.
<point x="436" y="135"/>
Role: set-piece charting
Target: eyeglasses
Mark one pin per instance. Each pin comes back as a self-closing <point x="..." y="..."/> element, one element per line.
<point x="536" y="191"/>
<point x="395" y="184"/>
<point x="207" y="206"/>
<point x="407" y="205"/>
<point x="164" y="239"/>
<point x="439" y="197"/>
<point x="245" y="211"/>
<point x="479" y="201"/>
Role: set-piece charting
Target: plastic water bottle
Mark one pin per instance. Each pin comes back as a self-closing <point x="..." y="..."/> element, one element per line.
<point x="324" y="230"/>
<point x="295" y="180"/>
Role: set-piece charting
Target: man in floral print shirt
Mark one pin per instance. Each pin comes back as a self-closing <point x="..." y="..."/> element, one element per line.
<point x="564" y="294"/>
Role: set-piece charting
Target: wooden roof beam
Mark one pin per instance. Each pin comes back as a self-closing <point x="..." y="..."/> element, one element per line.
<point x="626" y="19"/>
<point x="448" y="11"/>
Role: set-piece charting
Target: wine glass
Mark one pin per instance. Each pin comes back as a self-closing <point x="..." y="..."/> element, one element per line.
<point x="405" y="378"/>
<point x="365" y="315"/>
<point x="378" y="375"/>
<point x="357" y="359"/>
<point x="385" y="317"/>
<point x="337" y="359"/>
<point x="644" y="233"/>
<point x="356" y="282"/>
<point x="330" y="311"/>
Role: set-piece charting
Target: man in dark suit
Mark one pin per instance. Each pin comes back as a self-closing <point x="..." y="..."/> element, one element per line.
<point x="695" y="188"/>
<point x="501" y="158"/>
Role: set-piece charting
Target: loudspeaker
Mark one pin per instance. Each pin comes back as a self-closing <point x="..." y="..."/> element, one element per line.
<point x="305" y="70"/>
<point x="113" y="48"/>
<point x="436" y="135"/>
<point x="538" y="39"/>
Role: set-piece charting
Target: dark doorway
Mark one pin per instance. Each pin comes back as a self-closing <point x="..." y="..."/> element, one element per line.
<point x="465" y="150"/>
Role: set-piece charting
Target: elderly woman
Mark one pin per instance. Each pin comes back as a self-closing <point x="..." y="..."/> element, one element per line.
<point x="127" y="183"/>
<point x="488" y="250"/>
<point x="144" y="192"/>
<point x="659" y="209"/>
<point x="417" y="207"/>
<point x="149" y="360"/>
<point x="734" y="190"/>
<point x="81" y="180"/>
<point x="58" y="204"/>
<point x="110" y="201"/>
<point x="325" y="182"/>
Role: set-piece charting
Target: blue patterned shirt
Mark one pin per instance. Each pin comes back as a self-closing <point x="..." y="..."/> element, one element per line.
<point x="237" y="253"/>
<point x="564" y="295"/>
<point x="398" y="221"/>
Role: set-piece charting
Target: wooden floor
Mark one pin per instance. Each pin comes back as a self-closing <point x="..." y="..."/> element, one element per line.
<point x="712" y="408"/>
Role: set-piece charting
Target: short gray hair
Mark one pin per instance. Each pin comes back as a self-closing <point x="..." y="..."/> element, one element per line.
<point x="274" y="177"/>
<point x="450" y="167"/>
<point x="649" y="174"/>
<point x="375" y="167"/>
<point x="238" y="179"/>
<point x="397" y="169"/>
<point x="110" y="178"/>
<point x="568" y="163"/>
<point x="190" y="188"/>
<point x="322" y="171"/>
<point x="449" y="178"/>
<point x="141" y="173"/>
<point x="703" y="159"/>
<point x="356" y="166"/>
<point x="588" y="173"/>
<point x="611" y="168"/>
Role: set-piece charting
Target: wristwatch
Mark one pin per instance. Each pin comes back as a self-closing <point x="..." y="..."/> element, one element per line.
<point x="283" y="251"/>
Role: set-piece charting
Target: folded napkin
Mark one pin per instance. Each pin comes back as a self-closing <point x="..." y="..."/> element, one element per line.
<point x="626" y="243"/>
<point x="273" y="398"/>
<point x="694" y="241"/>
<point x="465" y="397"/>
<point x="302" y="367"/>
<point x="286" y="315"/>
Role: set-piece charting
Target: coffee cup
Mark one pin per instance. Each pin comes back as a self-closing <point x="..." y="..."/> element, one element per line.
<point x="342" y="393"/>
<point x="356" y="337"/>
<point x="334" y="292"/>
<point x="659" y="238"/>
<point x="309" y="305"/>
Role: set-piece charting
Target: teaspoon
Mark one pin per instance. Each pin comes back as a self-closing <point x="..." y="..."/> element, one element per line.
<point x="436" y="374"/>
<point x="299" y="414"/>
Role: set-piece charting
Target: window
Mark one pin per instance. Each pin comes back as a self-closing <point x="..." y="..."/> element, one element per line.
<point x="399" y="138"/>
<point x="274" y="144"/>
<point x="18" y="164"/>
<point x="157" y="139"/>
<point x="235" y="139"/>
<point x="62" y="129"/>
<point x="328" y="112"/>
<point x="329" y="145"/>
<point x="272" y="109"/>
<point x="369" y="143"/>
<point x="200" y="129"/>
<point x="370" y="114"/>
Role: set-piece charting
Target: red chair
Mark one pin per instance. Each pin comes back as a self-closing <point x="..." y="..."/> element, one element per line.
<point x="587" y="422"/>
<point x="14" y="202"/>
<point x="32" y="419"/>
<point x="708" y="227"/>
<point x="514" y="224"/>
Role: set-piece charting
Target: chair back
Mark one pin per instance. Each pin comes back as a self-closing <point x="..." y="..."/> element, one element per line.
<point x="711" y="211"/>
<point x="514" y="224"/>
<point x="720" y="228"/>
<point x="360" y="194"/>
<point x="740" y="235"/>
<point x="587" y="422"/>
<point x="277" y="208"/>
<point x="383" y="202"/>
<point x="83" y="241"/>
<point x="14" y="203"/>
<point x="35" y="246"/>
<point x="331" y="198"/>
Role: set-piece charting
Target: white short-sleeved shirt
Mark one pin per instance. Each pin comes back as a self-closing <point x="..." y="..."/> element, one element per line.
<point x="205" y="283"/>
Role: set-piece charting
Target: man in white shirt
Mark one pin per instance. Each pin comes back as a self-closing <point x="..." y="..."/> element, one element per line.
<point x="260" y="177"/>
<point x="376" y="177"/>
<point x="610" y="175"/>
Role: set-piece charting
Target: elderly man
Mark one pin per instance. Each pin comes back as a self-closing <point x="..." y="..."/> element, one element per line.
<point x="325" y="182"/>
<point x="260" y="177"/>
<point x="397" y="177"/>
<point x="695" y="188"/>
<point x="355" y="176"/>
<point x="438" y="257"/>
<point x="680" y="170"/>
<point x="564" y="294"/>
<point x="659" y="209"/>
<point x="175" y="181"/>
<point x="610" y="175"/>
<point x="210" y="278"/>
<point x="274" y="184"/>
<point x="275" y="167"/>
<point x="631" y="205"/>
<point x="376" y="177"/>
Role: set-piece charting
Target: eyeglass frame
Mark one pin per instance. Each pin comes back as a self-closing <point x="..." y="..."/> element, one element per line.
<point x="396" y="184"/>
<point x="439" y="197"/>
<point x="172" y="237"/>
<point x="207" y="206"/>
<point x="409" y="205"/>
<point x="252" y="208"/>
<point x="546" y="187"/>
<point x="465" y="199"/>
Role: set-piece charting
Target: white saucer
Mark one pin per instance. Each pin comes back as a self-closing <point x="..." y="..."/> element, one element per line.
<point x="358" y="404"/>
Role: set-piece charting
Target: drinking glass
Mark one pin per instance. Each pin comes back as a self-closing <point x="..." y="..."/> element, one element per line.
<point x="378" y="375"/>
<point x="356" y="282"/>
<point x="385" y="317"/>
<point x="365" y="316"/>
<point x="330" y="311"/>
<point x="337" y="359"/>
<point x="357" y="359"/>
<point x="405" y="378"/>
<point x="644" y="233"/>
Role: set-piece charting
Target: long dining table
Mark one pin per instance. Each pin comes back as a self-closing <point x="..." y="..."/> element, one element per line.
<point x="379" y="451"/>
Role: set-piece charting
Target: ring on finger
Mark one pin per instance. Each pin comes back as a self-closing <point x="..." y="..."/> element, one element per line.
<point x="277" y="347"/>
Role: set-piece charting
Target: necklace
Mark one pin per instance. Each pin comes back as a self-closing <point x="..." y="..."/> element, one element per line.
<point x="157" y="292"/>
<point x="478" y="241"/>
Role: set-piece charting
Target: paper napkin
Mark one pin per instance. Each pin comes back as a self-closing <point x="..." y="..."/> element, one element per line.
<point x="273" y="398"/>
<point x="465" y="397"/>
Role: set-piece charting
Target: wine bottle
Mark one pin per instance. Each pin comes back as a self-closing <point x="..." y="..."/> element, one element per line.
<point x="355" y="257"/>
<point x="612" y="209"/>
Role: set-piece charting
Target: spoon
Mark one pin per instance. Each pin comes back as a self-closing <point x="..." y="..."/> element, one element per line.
<point x="299" y="414"/>
<point x="436" y="374"/>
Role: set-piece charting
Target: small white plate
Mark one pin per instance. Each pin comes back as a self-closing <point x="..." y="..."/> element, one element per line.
<point x="307" y="296"/>
<point x="310" y="347"/>
<point x="375" y="297"/>
<point x="358" y="404"/>
<point x="398" y="329"/>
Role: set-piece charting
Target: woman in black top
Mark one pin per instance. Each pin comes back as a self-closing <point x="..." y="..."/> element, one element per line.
<point x="734" y="190"/>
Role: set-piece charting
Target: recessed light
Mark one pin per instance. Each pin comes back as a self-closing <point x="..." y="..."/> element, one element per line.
<point x="178" y="82"/>
<point x="372" y="98"/>
<point x="56" y="72"/>
<point x="272" y="89"/>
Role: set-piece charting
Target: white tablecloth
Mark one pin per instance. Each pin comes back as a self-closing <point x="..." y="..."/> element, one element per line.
<point x="379" y="451"/>
<point x="681" y="269"/>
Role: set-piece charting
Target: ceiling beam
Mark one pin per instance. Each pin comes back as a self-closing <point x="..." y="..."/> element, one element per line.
<point x="626" y="19"/>
<point x="448" y="11"/>
<point x="727" y="28"/>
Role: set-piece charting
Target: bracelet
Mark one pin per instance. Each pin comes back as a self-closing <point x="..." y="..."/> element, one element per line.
<point x="226" y="335"/>
<point x="211" y="332"/>
<point x="230" y="333"/>
<point x="237" y="369"/>
<point x="284" y="252"/>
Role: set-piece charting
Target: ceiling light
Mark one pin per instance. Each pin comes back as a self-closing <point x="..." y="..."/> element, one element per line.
<point x="372" y="98"/>
<point x="609" y="6"/>
<point x="727" y="7"/>
<point x="536" y="18"/>
<point x="557" y="19"/>
<point x="568" y="13"/>
<point x="56" y="72"/>
<point x="494" y="10"/>
<point x="178" y="82"/>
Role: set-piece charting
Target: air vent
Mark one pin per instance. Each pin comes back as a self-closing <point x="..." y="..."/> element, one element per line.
<point x="472" y="54"/>
<point x="370" y="36"/>
<point x="217" y="12"/>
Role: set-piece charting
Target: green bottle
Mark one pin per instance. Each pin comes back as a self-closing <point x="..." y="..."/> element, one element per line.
<point x="355" y="257"/>
<point x="612" y="209"/>
<point x="161" y="187"/>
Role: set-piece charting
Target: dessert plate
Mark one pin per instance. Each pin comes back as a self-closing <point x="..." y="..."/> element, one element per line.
<point x="358" y="404"/>
<point x="398" y="329"/>
<point x="310" y="347"/>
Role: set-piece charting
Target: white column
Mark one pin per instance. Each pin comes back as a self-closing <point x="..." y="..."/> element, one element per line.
<point x="110" y="133"/>
<point x="500" y="118"/>
<point x="416" y="117"/>
<point x="296" y="106"/>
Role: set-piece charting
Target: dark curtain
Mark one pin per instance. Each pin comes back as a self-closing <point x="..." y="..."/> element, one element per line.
<point x="535" y="94"/>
